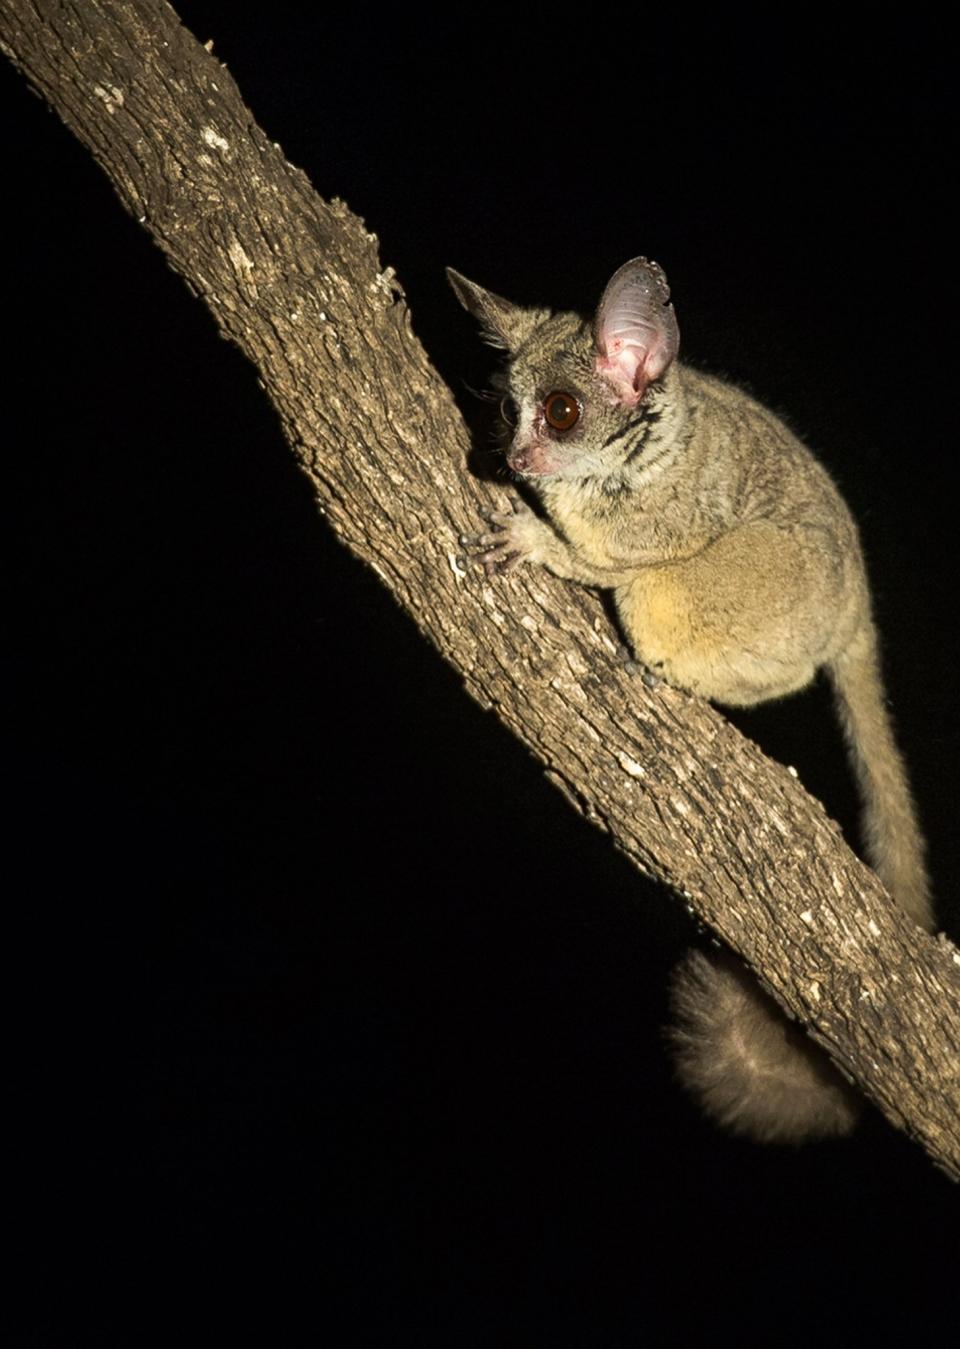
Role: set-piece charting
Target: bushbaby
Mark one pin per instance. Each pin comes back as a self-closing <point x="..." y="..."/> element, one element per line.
<point x="736" y="571"/>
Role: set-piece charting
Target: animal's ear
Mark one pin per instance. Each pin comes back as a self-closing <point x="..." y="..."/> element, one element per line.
<point x="635" y="330"/>
<point x="504" y="324"/>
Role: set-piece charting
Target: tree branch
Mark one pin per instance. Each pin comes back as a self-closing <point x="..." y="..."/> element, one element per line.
<point x="296" y="283"/>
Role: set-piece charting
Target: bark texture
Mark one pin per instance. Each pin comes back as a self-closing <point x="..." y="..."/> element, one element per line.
<point x="296" y="282"/>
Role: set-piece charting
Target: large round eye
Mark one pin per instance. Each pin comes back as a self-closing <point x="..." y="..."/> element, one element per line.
<point x="561" y="410"/>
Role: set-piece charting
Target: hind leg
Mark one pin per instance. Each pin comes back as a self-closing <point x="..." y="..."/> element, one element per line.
<point x="749" y="618"/>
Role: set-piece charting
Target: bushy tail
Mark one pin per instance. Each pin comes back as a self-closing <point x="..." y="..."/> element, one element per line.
<point x="891" y="836"/>
<point x="751" y="1070"/>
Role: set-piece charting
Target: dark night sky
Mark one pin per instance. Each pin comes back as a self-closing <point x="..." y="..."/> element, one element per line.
<point x="326" y="1006"/>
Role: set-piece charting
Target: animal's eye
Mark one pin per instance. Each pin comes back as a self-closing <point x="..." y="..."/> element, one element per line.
<point x="561" y="410"/>
<point x="508" y="411"/>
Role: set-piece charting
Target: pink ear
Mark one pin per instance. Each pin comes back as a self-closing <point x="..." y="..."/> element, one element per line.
<point x="635" y="330"/>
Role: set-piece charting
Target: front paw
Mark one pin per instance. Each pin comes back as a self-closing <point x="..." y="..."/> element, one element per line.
<point x="515" y="536"/>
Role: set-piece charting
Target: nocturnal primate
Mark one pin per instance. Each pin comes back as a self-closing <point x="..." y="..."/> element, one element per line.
<point x="736" y="572"/>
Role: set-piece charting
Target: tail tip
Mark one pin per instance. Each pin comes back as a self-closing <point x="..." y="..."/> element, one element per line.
<point x="750" y="1070"/>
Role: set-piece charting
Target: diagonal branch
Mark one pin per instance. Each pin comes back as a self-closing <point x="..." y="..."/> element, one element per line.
<point x="296" y="283"/>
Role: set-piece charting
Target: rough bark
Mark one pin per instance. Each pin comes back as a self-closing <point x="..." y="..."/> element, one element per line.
<point x="296" y="282"/>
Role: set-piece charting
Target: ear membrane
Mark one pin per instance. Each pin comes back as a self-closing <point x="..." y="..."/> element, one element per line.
<point x="505" y="324"/>
<point x="635" y="329"/>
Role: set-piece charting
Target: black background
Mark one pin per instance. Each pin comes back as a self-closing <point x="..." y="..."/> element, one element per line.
<point x="327" y="1011"/>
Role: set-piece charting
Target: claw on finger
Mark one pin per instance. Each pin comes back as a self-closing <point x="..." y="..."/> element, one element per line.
<point x="497" y="553"/>
<point x="513" y="507"/>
